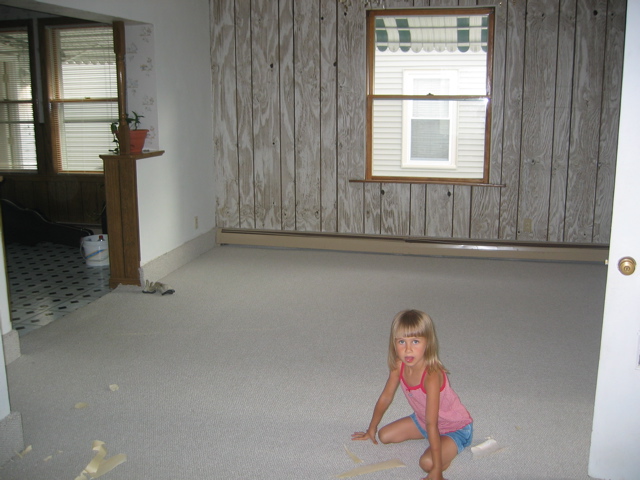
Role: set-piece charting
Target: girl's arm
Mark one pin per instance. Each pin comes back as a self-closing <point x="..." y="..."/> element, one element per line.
<point x="385" y="399"/>
<point x="432" y="384"/>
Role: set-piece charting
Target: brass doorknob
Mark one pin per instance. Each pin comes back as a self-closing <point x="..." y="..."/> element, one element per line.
<point x="627" y="265"/>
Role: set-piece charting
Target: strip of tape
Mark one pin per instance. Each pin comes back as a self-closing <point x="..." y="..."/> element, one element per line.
<point x="98" y="466"/>
<point x="374" y="467"/>
<point x="353" y="456"/>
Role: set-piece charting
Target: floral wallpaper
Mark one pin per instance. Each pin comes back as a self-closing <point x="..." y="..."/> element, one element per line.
<point x="141" y="79"/>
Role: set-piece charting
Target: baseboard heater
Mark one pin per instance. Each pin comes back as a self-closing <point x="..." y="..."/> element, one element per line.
<point x="414" y="245"/>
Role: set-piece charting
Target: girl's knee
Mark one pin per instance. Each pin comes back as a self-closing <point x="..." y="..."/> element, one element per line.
<point x="426" y="462"/>
<point x="449" y="452"/>
<point x="385" y="436"/>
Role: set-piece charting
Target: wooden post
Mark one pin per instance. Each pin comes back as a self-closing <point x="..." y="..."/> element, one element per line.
<point x="122" y="216"/>
<point x="121" y="72"/>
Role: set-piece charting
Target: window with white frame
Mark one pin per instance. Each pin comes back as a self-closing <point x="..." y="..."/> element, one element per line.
<point x="428" y="96"/>
<point x="429" y="128"/>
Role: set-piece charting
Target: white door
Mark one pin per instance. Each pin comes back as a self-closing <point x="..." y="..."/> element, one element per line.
<point x="616" y="420"/>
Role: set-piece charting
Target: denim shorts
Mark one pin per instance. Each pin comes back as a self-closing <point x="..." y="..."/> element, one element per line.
<point x="462" y="437"/>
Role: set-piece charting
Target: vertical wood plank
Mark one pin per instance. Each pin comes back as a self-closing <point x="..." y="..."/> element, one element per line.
<point x="246" y="197"/>
<point x="8" y="188"/>
<point x="287" y="115"/>
<point x="512" y="124"/>
<point x="351" y="116"/>
<point x="223" y="70"/>
<point x="395" y="208"/>
<point x="31" y="194"/>
<point x="443" y="3"/>
<point x="307" y="117"/>
<point x="57" y="198"/>
<point x="417" y="226"/>
<point x="372" y="215"/>
<point x="328" y="107"/>
<point x="39" y="195"/>
<point x="439" y="210"/>
<point x="461" y="193"/>
<point x="89" y="205"/>
<point x="537" y="119"/>
<point x="129" y="217"/>
<point x="73" y="199"/>
<point x="585" y="119"/>
<point x="400" y="4"/>
<point x="461" y="211"/>
<point x="439" y="222"/>
<point x="266" y="115"/>
<point x="396" y="201"/>
<point x="612" y="84"/>
<point x="485" y="202"/>
<point x="562" y="120"/>
<point x="114" y="192"/>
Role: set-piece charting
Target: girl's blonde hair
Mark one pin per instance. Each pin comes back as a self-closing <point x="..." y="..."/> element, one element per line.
<point x="415" y="323"/>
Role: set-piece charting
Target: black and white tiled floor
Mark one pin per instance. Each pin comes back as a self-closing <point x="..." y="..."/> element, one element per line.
<point x="47" y="281"/>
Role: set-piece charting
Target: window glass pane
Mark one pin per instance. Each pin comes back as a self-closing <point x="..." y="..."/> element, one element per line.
<point x="82" y="67"/>
<point x="86" y="63"/>
<point x="470" y="69"/>
<point x="433" y="109"/>
<point x="423" y="85"/>
<point x="410" y="147"/>
<point x="436" y="42"/>
<point x="85" y="134"/>
<point x="429" y="140"/>
<point x="17" y="139"/>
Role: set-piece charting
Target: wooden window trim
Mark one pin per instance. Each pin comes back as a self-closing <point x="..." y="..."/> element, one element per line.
<point x="370" y="57"/>
<point x="52" y="165"/>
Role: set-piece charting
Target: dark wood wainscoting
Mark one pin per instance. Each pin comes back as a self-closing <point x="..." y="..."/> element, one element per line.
<point x="74" y="199"/>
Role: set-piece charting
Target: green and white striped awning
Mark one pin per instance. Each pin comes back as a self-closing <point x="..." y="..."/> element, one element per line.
<point x="432" y="33"/>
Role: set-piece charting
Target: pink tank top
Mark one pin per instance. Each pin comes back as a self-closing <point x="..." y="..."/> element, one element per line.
<point x="452" y="415"/>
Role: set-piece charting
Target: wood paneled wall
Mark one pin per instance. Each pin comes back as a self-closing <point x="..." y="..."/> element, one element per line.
<point x="77" y="199"/>
<point x="289" y="136"/>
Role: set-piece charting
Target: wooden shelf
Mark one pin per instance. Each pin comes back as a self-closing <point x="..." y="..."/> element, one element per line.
<point x="121" y="188"/>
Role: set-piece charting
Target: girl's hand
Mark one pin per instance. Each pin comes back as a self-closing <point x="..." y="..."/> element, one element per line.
<point x="368" y="435"/>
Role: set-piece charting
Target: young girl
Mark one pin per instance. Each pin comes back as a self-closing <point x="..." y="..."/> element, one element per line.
<point x="438" y="414"/>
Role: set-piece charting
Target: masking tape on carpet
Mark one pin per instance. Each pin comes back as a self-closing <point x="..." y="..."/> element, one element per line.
<point x="353" y="456"/>
<point x="374" y="467"/>
<point x="98" y="466"/>
<point x="488" y="447"/>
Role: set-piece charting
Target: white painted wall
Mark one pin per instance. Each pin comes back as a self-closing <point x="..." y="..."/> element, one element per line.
<point x="616" y="420"/>
<point x="5" y="327"/>
<point x="175" y="188"/>
<point x="5" y="314"/>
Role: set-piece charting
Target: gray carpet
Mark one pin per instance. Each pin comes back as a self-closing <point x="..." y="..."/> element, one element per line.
<point x="264" y="361"/>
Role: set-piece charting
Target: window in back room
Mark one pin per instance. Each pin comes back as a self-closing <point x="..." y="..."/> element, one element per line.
<point x="17" y="135"/>
<point x="56" y="119"/>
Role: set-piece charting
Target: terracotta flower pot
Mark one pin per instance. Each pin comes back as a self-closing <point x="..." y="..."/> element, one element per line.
<point x="137" y="139"/>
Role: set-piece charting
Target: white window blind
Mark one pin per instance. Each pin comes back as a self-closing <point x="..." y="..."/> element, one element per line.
<point x="17" y="138"/>
<point x="83" y="95"/>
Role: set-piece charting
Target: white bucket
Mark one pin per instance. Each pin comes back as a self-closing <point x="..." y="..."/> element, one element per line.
<point x="95" y="250"/>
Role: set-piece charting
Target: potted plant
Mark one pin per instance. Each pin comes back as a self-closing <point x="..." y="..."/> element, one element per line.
<point x="137" y="136"/>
